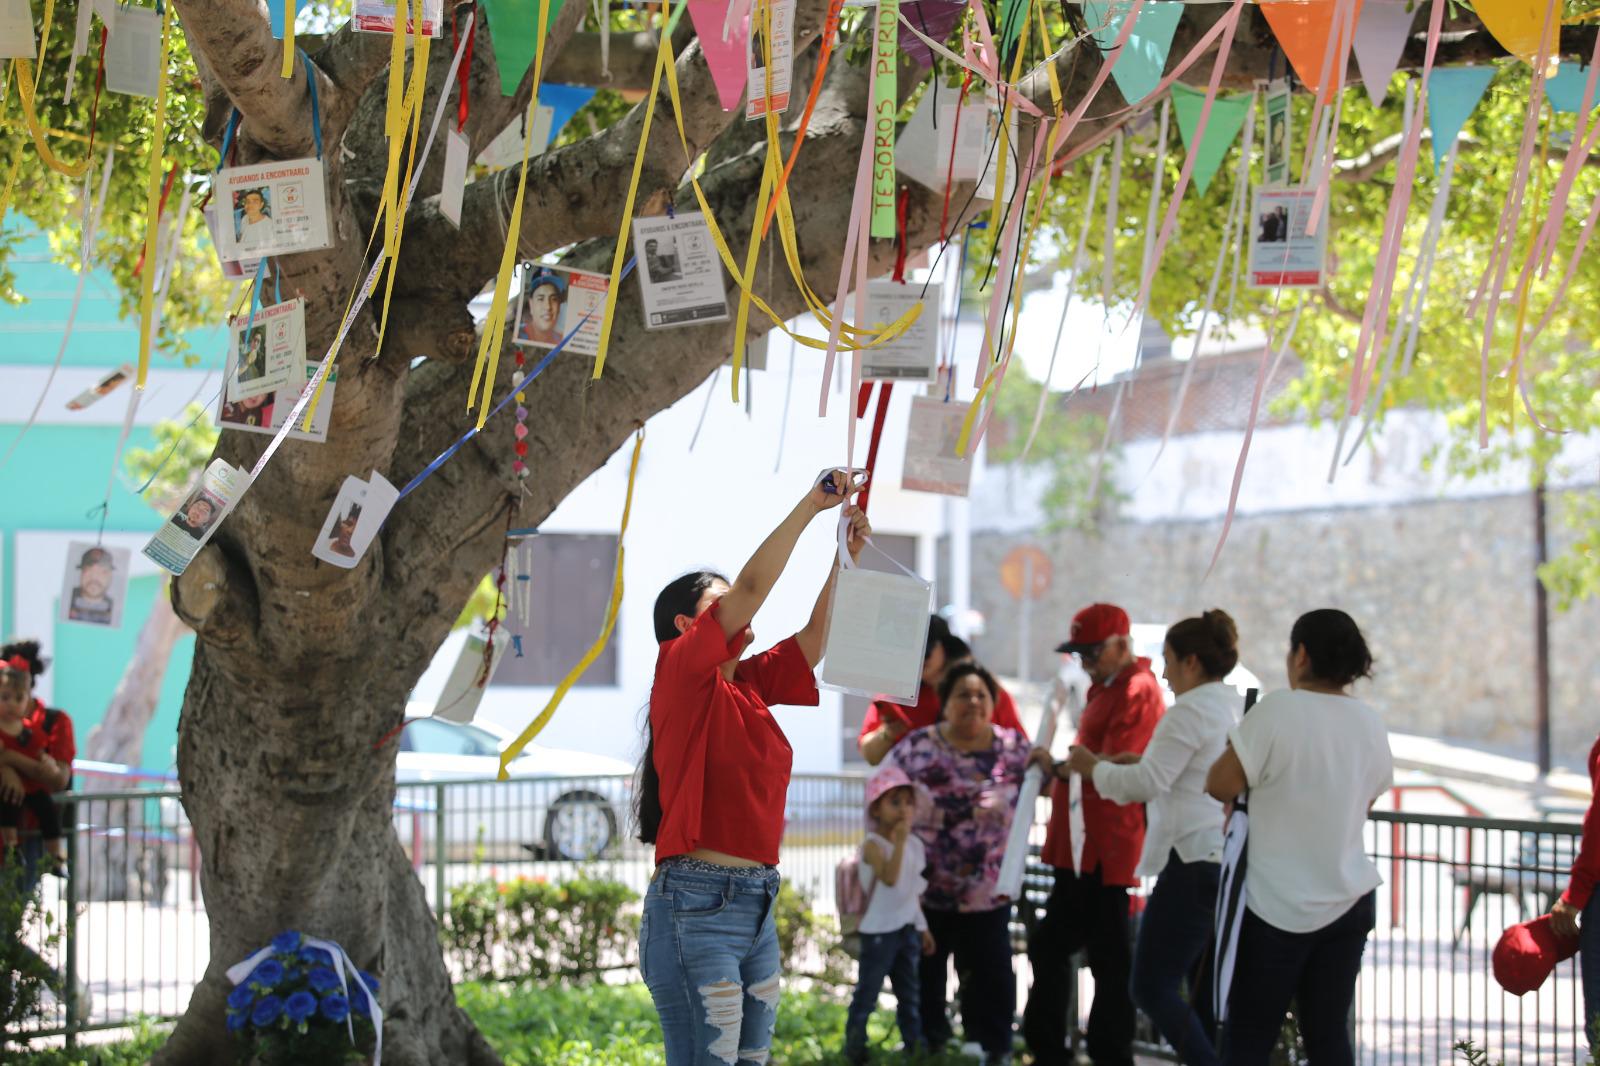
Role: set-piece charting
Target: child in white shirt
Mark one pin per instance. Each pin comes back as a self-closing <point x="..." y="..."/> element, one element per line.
<point x="893" y="930"/>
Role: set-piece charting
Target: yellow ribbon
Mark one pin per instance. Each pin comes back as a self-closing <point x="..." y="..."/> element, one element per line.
<point x="410" y="117"/>
<point x="152" y="207"/>
<point x="27" y="87"/>
<point x="769" y="180"/>
<point x="537" y="725"/>
<point x="288" y="38"/>
<point x="494" y="329"/>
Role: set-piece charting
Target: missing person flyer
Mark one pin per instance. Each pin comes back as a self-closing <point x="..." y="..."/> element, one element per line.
<point x="931" y="463"/>
<point x="681" y="278"/>
<point x="376" y="16"/>
<point x="914" y="354"/>
<point x="756" y="94"/>
<point x="181" y="537"/>
<point x="265" y="412"/>
<point x="266" y="349"/>
<point x="233" y="269"/>
<point x="554" y="300"/>
<point x="271" y="209"/>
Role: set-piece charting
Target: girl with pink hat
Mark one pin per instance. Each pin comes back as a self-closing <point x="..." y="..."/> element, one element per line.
<point x="894" y="932"/>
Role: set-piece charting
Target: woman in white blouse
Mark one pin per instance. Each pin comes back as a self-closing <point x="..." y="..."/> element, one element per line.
<point x="1315" y="759"/>
<point x="1184" y="840"/>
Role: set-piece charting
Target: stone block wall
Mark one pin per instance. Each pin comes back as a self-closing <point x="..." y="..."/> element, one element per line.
<point x="1444" y="591"/>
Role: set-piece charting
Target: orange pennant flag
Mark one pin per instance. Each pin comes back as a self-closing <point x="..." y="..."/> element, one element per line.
<point x="1302" y="28"/>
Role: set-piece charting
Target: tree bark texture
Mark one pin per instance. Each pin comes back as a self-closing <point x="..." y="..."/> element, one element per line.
<point x="301" y="669"/>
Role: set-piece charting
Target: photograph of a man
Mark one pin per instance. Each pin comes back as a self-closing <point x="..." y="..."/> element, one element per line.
<point x="661" y="259"/>
<point x="91" y="600"/>
<point x="543" y="318"/>
<point x="198" y="513"/>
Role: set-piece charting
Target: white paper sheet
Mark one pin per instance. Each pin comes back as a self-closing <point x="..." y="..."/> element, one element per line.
<point x="377" y="16"/>
<point x="265" y="414"/>
<point x="554" y="300"/>
<point x="104" y="387"/>
<point x="266" y="349"/>
<point x="94" y="585"/>
<point x="914" y="355"/>
<point x="931" y="463"/>
<point x="354" y="519"/>
<point x="133" y="52"/>
<point x="18" y="39"/>
<point x="470" y="675"/>
<point x="877" y="633"/>
<point x="271" y="209"/>
<point x="782" y="61"/>
<point x="1280" y="138"/>
<point x="453" y="186"/>
<point x="182" y="536"/>
<point x="679" y="273"/>
<point x="1282" y="253"/>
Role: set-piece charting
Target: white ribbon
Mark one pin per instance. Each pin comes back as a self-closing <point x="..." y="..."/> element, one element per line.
<point x="1015" y="860"/>
<point x="341" y="962"/>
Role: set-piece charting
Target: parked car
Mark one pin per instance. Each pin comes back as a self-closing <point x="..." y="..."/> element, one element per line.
<point x="557" y="804"/>
<point x="1148" y="640"/>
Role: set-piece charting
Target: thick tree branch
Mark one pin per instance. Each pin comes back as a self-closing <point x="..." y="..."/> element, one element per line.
<point x="216" y="597"/>
<point x="633" y="59"/>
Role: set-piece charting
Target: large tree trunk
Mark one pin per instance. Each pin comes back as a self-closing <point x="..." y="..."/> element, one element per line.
<point x="114" y="871"/>
<point x="300" y="668"/>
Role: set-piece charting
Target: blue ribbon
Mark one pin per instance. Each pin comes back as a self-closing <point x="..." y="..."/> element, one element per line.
<point x="428" y="471"/>
<point x="227" y="137"/>
<point x="311" y="87"/>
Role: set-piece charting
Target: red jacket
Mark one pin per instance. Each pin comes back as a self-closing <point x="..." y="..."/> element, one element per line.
<point x="1586" y="868"/>
<point x="1118" y="718"/>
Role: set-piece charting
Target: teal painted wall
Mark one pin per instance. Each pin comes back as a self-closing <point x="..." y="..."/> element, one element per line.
<point x="57" y="477"/>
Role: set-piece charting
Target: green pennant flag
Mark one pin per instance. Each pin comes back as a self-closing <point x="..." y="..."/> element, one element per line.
<point x="1012" y="15"/>
<point x="514" y="35"/>
<point x="1228" y="112"/>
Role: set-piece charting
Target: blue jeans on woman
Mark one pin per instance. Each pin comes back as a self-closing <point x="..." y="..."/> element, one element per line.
<point x="708" y="949"/>
<point x="1317" y="970"/>
<point x="897" y="956"/>
<point x="1589" y="966"/>
<point x="1173" y="934"/>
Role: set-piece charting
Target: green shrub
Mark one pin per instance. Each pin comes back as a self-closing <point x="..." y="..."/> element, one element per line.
<point x="24" y="976"/>
<point x="533" y="928"/>
<point x="134" y="1052"/>
<point x="806" y="938"/>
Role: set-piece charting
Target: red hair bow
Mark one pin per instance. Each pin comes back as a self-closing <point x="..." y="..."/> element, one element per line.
<point x="17" y="662"/>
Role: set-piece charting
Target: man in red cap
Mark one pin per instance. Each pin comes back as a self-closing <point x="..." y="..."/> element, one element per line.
<point x="1088" y="906"/>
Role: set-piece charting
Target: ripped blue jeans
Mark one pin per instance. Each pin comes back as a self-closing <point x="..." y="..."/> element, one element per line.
<point x="708" y="949"/>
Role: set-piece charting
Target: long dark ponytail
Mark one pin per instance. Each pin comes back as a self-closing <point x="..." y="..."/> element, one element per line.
<point x="681" y="596"/>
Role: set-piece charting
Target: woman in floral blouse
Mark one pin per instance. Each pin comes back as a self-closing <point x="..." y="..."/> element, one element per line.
<point x="972" y="769"/>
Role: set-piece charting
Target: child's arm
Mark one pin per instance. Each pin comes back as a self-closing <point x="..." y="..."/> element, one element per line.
<point x="887" y="870"/>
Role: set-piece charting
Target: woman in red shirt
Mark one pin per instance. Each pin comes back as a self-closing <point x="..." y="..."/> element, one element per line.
<point x="712" y="787"/>
<point x="1580" y="898"/>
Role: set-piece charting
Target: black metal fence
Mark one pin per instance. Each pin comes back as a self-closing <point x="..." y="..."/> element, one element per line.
<point x="128" y="934"/>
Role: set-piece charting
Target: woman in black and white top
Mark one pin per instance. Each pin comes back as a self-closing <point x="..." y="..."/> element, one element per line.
<point x="1315" y="759"/>
<point x="1184" y="840"/>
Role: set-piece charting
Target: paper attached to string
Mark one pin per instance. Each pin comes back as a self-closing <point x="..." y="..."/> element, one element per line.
<point x="267" y="412"/>
<point x="453" y="186"/>
<point x="471" y="674"/>
<point x="934" y="133"/>
<point x="756" y="105"/>
<point x="376" y="16"/>
<point x="506" y="148"/>
<point x="104" y="387"/>
<point x="17" y="37"/>
<point x="755" y="353"/>
<point x="267" y="349"/>
<point x="133" y="52"/>
<point x="94" y="585"/>
<point x="993" y="147"/>
<point x="181" y="537"/>
<point x="554" y="300"/>
<point x="1275" y="155"/>
<point x="272" y="209"/>
<point x="877" y="633"/>
<point x="1282" y="253"/>
<point x="932" y="463"/>
<point x="680" y="276"/>
<point x="354" y="520"/>
<point x="914" y="354"/>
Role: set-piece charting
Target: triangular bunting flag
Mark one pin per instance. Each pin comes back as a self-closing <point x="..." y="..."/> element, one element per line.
<point x="1565" y="90"/>
<point x="1453" y="94"/>
<point x="1381" y="34"/>
<point x="514" y="36"/>
<point x="565" y="101"/>
<point x="1302" y="28"/>
<point x="729" y="60"/>
<point x="1227" y="116"/>
<point x="933" y="18"/>
<point x="1144" y="56"/>
<point x="1516" y="24"/>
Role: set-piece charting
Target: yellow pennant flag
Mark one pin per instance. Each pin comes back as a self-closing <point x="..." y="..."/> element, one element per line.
<point x="537" y="725"/>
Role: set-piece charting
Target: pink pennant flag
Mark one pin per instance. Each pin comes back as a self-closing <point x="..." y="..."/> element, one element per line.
<point x="1381" y="36"/>
<point x="728" y="59"/>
